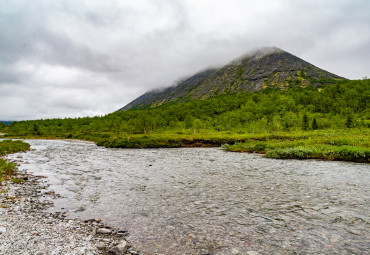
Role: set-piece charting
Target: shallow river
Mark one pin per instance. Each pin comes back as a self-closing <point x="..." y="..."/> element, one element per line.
<point x="208" y="201"/>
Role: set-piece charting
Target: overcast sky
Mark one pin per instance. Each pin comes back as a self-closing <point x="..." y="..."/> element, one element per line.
<point x="71" y="58"/>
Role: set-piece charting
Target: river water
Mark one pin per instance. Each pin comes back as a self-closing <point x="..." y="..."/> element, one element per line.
<point x="208" y="201"/>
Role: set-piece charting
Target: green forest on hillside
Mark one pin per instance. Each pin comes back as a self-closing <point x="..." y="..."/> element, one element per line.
<point x="345" y="104"/>
<point x="342" y="107"/>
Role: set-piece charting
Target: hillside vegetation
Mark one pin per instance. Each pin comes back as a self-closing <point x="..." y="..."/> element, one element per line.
<point x="268" y="121"/>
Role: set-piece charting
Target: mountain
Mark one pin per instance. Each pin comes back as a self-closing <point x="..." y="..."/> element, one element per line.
<point x="256" y="70"/>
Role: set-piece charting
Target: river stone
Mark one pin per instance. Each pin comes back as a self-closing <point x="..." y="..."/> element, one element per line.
<point x="120" y="249"/>
<point x="104" y="231"/>
<point x="234" y="251"/>
<point x="2" y="230"/>
<point x="122" y="232"/>
<point x="65" y="214"/>
<point x="133" y="252"/>
<point x="96" y="220"/>
<point x="100" y="245"/>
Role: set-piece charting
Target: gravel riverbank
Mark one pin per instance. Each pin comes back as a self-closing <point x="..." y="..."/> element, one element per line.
<point x="25" y="228"/>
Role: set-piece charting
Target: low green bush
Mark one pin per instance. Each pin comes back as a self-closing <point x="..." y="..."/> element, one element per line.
<point x="8" y="169"/>
<point x="12" y="146"/>
<point x="347" y="153"/>
<point x="335" y="145"/>
<point x="353" y="153"/>
<point x="294" y="152"/>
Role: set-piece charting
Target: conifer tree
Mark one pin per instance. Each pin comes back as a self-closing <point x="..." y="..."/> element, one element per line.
<point x="314" y="124"/>
<point x="349" y="122"/>
<point x="305" y="122"/>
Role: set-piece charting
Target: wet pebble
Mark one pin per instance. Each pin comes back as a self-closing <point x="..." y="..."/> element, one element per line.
<point x="2" y="230"/>
<point x="26" y="228"/>
<point x="104" y="231"/>
<point x="235" y="251"/>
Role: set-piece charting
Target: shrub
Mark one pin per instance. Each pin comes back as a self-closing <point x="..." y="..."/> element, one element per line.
<point x="12" y="146"/>
<point x="293" y="152"/>
<point x="353" y="153"/>
<point x="8" y="169"/>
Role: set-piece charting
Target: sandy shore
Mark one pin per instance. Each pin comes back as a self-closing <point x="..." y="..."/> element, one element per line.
<point x="25" y="228"/>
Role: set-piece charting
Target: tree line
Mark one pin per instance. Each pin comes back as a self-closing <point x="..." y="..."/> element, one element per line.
<point x="337" y="106"/>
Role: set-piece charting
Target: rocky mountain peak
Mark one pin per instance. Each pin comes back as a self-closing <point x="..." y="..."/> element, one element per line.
<point x="256" y="70"/>
<point x="257" y="54"/>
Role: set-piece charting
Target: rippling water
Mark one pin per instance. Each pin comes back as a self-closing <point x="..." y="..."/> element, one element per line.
<point x="208" y="201"/>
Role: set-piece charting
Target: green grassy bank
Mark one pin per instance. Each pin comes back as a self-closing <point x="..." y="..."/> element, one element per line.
<point x="347" y="145"/>
<point x="8" y="169"/>
<point x="343" y="144"/>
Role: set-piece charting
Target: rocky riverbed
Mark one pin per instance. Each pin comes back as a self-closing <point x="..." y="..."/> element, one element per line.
<point x="25" y="227"/>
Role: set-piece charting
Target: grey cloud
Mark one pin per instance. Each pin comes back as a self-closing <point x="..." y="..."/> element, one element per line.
<point x="83" y="58"/>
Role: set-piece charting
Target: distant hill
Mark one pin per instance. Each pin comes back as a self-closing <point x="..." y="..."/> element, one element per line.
<point x="6" y="122"/>
<point x="256" y="70"/>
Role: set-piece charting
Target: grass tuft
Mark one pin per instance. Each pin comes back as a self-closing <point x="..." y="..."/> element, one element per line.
<point x="8" y="169"/>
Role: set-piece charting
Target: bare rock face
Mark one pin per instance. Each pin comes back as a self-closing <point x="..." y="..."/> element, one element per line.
<point x="256" y="70"/>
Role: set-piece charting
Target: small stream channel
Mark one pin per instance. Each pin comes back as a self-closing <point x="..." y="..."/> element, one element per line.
<point x="208" y="201"/>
